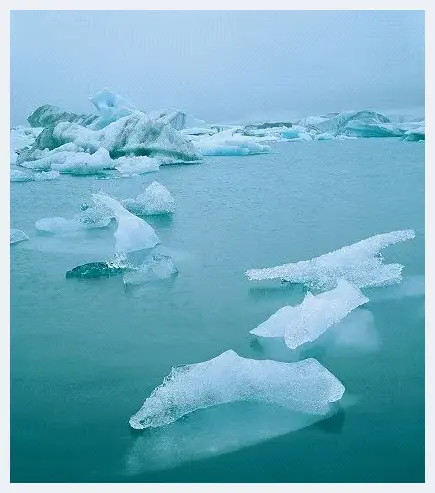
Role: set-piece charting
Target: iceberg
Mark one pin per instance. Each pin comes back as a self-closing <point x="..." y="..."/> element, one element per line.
<point x="156" y="199"/>
<point x="134" y="134"/>
<point x="305" y="386"/>
<point x="132" y="233"/>
<point x="415" y="134"/>
<point x="136" y="164"/>
<point x="16" y="236"/>
<point x="360" y="264"/>
<point x="110" y="107"/>
<point x="156" y="267"/>
<point x="227" y="143"/>
<point x="337" y="123"/>
<point x="309" y="320"/>
<point x="50" y="115"/>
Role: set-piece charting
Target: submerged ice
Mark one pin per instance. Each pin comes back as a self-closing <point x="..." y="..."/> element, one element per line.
<point x="305" y="386"/>
<point x="310" y="319"/>
<point x="154" y="268"/>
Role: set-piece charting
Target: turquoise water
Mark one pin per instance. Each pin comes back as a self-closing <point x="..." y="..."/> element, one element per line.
<point x="85" y="354"/>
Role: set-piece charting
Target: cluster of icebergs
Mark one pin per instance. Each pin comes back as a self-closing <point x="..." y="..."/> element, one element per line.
<point x="121" y="137"/>
<point x="303" y="386"/>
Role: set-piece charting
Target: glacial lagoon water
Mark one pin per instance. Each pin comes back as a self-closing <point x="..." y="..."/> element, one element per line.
<point x="86" y="353"/>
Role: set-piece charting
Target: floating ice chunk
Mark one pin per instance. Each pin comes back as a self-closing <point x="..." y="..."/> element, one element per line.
<point x="46" y="175"/>
<point x="227" y="143"/>
<point x="309" y="320"/>
<point x="16" y="235"/>
<point x="369" y="129"/>
<point x="414" y="135"/>
<point x="68" y="159"/>
<point x="337" y="123"/>
<point x="136" y="164"/>
<point x="82" y="163"/>
<point x="132" y="134"/>
<point x="157" y="267"/>
<point x="90" y="218"/>
<point x="324" y="136"/>
<point x="133" y="233"/>
<point x="359" y="263"/>
<point x="17" y="175"/>
<point x="156" y="199"/>
<point x="304" y="386"/>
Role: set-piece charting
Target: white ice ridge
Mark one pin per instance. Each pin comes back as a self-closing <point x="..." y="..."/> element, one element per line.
<point x="304" y="386"/>
<point x="360" y="263"/>
<point x="309" y="320"/>
<point x="132" y="233"/>
<point x="155" y="199"/>
<point x="227" y="143"/>
<point x="16" y="235"/>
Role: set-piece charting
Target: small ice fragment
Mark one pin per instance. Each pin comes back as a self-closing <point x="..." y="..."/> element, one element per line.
<point x="16" y="235"/>
<point x="156" y="199"/>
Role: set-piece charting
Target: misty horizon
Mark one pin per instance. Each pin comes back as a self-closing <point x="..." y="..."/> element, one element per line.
<point x="220" y="66"/>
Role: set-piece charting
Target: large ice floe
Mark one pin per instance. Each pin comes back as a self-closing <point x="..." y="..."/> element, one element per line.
<point x="310" y="319"/>
<point x="155" y="199"/>
<point x="305" y="386"/>
<point x="16" y="236"/>
<point x="229" y="143"/>
<point x="132" y="234"/>
<point x="360" y="264"/>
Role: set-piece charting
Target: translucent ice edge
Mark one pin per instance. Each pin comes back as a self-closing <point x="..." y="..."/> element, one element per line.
<point x="305" y="386"/>
<point x="359" y="263"/>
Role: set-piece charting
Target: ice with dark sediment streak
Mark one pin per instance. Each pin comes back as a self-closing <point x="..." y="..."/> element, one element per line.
<point x="360" y="263"/>
<point x="49" y="115"/>
<point x="310" y="319"/>
<point x="305" y="386"/>
<point x="154" y="268"/>
<point x="134" y="134"/>
<point x="155" y="199"/>
<point x="16" y="236"/>
<point x="132" y="233"/>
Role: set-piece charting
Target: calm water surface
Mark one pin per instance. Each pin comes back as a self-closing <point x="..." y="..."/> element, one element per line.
<point x="85" y="354"/>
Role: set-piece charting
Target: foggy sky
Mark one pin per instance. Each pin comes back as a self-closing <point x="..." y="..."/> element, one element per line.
<point x="219" y="65"/>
